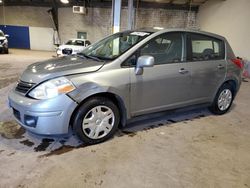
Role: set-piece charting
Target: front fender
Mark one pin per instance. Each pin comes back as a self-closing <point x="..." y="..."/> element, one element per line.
<point x="90" y="89"/>
<point x="86" y="90"/>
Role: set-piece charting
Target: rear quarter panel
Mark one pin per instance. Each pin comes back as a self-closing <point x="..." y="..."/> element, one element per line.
<point x="233" y="72"/>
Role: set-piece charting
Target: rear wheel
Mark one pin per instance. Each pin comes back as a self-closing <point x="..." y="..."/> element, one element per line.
<point x="96" y="120"/>
<point x="223" y="100"/>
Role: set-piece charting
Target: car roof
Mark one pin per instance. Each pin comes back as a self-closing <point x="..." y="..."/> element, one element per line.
<point x="162" y="30"/>
<point x="78" y="39"/>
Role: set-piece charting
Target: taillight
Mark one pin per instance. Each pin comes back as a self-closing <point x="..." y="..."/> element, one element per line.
<point x="238" y="63"/>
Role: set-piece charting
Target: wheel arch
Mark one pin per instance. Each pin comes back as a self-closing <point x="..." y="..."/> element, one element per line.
<point x="233" y="83"/>
<point x="117" y="100"/>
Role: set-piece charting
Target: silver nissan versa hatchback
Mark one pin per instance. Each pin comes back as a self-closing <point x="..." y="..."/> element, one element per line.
<point x="125" y="75"/>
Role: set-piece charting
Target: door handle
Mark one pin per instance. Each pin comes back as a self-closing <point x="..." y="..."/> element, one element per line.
<point x="220" y="67"/>
<point x="183" y="71"/>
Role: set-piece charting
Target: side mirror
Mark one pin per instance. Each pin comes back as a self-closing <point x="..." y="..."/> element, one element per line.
<point x="6" y="35"/>
<point x="144" y="61"/>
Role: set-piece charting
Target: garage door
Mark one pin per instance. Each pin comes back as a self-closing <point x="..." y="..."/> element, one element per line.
<point x="19" y="36"/>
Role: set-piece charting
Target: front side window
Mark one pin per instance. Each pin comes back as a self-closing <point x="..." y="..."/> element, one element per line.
<point x="115" y="45"/>
<point x="70" y="42"/>
<point x="166" y="48"/>
<point x="87" y="43"/>
<point x="203" y="48"/>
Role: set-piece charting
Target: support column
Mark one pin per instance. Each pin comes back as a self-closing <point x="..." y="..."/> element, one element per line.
<point x="131" y="14"/>
<point x="116" y="15"/>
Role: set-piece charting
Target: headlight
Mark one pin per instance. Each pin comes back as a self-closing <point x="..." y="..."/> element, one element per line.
<point x="5" y="41"/>
<point x="52" y="88"/>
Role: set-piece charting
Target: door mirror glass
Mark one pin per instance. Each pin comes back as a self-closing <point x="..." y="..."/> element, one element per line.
<point x="144" y="61"/>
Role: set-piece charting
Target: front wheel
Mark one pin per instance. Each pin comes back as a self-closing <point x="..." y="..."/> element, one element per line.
<point x="223" y="100"/>
<point x="96" y="120"/>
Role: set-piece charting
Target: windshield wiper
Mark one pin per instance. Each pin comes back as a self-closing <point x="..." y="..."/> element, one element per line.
<point x="89" y="56"/>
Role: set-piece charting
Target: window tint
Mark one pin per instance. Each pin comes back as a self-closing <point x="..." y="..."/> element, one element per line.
<point x="130" y="62"/>
<point x="79" y="43"/>
<point x="75" y="42"/>
<point x="115" y="45"/>
<point x="205" y="48"/>
<point x="166" y="48"/>
<point x="87" y="43"/>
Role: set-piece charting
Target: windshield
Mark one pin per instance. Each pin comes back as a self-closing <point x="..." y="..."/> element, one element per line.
<point x="1" y="34"/>
<point x="75" y="42"/>
<point x="114" y="45"/>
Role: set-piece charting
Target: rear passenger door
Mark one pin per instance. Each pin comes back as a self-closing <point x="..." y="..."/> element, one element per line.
<point x="206" y="56"/>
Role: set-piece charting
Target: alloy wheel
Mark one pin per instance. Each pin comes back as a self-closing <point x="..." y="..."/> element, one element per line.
<point x="225" y="99"/>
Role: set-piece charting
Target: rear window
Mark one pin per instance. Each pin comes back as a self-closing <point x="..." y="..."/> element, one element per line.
<point x="205" y="48"/>
<point x="75" y="42"/>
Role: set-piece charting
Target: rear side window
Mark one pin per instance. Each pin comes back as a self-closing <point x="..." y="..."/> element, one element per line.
<point x="205" y="48"/>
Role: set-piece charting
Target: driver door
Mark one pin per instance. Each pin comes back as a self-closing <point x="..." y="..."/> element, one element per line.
<point x="167" y="84"/>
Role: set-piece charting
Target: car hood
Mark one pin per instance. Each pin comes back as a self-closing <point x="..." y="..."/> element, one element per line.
<point x="63" y="66"/>
<point x="2" y="38"/>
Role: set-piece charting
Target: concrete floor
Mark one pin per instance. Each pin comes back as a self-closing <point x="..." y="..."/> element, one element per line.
<point x="187" y="148"/>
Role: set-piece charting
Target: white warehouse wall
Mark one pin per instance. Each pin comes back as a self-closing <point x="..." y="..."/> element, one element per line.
<point x="229" y="18"/>
<point x="37" y="19"/>
<point x="97" y="21"/>
<point x="41" y="38"/>
<point x="26" y="16"/>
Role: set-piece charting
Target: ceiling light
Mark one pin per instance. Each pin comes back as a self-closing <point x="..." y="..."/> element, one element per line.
<point x="1" y="1"/>
<point x="63" y="1"/>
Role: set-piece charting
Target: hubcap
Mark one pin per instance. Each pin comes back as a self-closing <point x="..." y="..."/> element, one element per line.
<point x="224" y="99"/>
<point x="98" y="122"/>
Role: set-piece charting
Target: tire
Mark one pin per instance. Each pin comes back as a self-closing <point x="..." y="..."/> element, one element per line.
<point x="223" y="100"/>
<point x="90" y="122"/>
<point x="6" y="51"/>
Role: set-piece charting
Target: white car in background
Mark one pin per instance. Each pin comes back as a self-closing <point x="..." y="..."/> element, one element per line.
<point x="3" y="43"/>
<point x="73" y="46"/>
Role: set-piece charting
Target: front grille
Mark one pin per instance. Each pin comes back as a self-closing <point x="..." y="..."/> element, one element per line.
<point x="67" y="51"/>
<point x="24" y="87"/>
